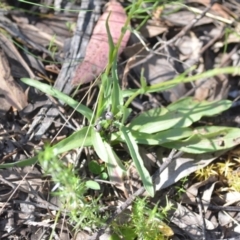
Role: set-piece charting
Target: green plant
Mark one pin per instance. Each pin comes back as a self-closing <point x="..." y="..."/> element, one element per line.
<point x="98" y="169"/>
<point x="169" y="127"/>
<point x="226" y="170"/>
<point x="181" y="188"/>
<point x="203" y="174"/>
<point x="52" y="47"/>
<point x="71" y="190"/>
<point x="108" y="125"/>
<point x="144" y="223"/>
<point x="234" y="181"/>
<point x="70" y="26"/>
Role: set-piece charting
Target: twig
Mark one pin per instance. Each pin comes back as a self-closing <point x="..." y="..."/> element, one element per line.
<point x="186" y="28"/>
<point x="224" y="208"/>
<point x="202" y="215"/>
<point x="176" y="37"/>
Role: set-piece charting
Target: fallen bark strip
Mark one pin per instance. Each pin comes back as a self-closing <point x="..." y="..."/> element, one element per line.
<point x="79" y="42"/>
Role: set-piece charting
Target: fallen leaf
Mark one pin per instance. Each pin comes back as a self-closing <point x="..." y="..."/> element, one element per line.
<point x="12" y="92"/>
<point x="184" y="166"/>
<point x="190" y="196"/>
<point x="153" y="28"/>
<point x="97" y="51"/>
<point x="216" y="8"/>
<point x="21" y="67"/>
<point x="190" y="222"/>
<point x="157" y="68"/>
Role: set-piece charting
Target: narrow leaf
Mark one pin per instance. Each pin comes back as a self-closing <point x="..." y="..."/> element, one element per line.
<point x="80" y="138"/>
<point x="92" y="185"/>
<point x="179" y="115"/>
<point x="162" y="137"/>
<point x="99" y="145"/>
<point x="181" y="79"/>
<point x="23" y="163"/>
<point x="208" y="139"/>
<point x="116" y="170"/>
<point x="85" y="111"/>
<point x="116" y="96"/>
<point x="110" y="40"/>
<point x="133" y="149"/>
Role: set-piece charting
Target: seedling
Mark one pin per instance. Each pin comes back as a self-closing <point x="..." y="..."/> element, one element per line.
<point x="144" y="223"/>
<point x="72" y="190"/>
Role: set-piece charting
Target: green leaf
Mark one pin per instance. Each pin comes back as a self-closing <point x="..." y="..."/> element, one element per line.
<point x="181" y="114"/>
<point x="208" y="139"/>
<point x="116" y="170"/>
<point x="95" y="167"/>
<point x="107" y="88"/>
<point x="110" y="40"/>
<point x="128" y="232"/>
<point x="129" y="92"/>
<point x="99" y="145"/>
<point x="143" y="80"/>
<point x="81" y="138"/>
<point x="147" y="116"/>
<point x="23" y="163"/>
<point x="116" y="96"/>
<point x="183" y="79"/>
<point x="133" y="149"/>
<point x="203" y="108"/>
<point x="169" y="135"/>
<point x="92" y="185"/>
<point x="85" y="111"/>
<point x="104" y="176"/>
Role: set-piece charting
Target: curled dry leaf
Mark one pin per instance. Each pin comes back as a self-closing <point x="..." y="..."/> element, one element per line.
<point x="97" y="51"/>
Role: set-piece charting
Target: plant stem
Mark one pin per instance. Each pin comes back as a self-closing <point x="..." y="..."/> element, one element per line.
<point x="114" y="56"/>
<point x="132" y="97"/>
